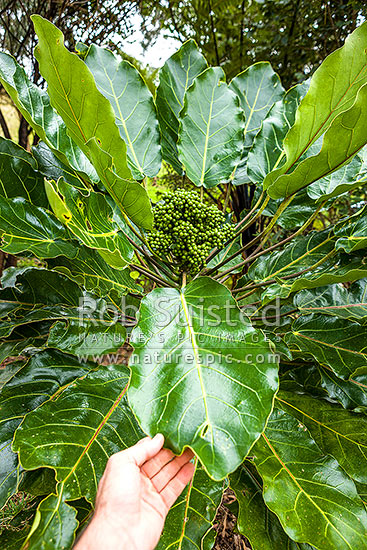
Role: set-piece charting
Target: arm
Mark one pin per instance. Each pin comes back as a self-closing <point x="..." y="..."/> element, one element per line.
<point x="135" y="493"/>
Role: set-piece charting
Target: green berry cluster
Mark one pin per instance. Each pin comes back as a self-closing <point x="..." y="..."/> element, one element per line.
<point x="187" y="229"/>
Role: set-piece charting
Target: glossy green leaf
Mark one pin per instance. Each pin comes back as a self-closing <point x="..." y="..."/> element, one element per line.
<point x="9" y="147"/>
<point x="308" y="261"/>
<point x="193" y="388"/>
<point x="40" y="378"/>
<point x="35" y="287"/>
<point x="312" y="496"/>
<point x="258" y="88"/>
<point x="82" y="323"/>
<point x="89" y="269"/>
<point x="7" y="372"/>
<point x="75" y="435"/>
<point x="352" y="393"/>
<point x="193" y="513"/>
<point x="133" y="106"/>
<point x="345" y="179"/>
<point x="297" y="212"/>
<point x="88" y="116"/>
<point x="90" y="338"/>
<point x="91" y="219"/>
<point x="18" y="174"/>
<point x="211" y="131"/>
<point x="255" y="521"/>
<point x="338" y="343"/>
<point x="54" y="525"/>
<point x="351" y="233"/>
<point x="32" y="228"/>
<point x="34" y="104"/>
<point x="134" y="197"/>
<point x="175" y="77"/>
<point x="348" y="128"/>
<point x="52" y="167"/>
<point x="337" y="431"/>
<point x="16" y="344"/>
<point x="336" y="300"/>
<point x="267" y="153"/>
<point x="334" y="105"/>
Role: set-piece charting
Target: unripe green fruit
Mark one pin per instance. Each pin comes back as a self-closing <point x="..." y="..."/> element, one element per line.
<point x="188" y="229"/>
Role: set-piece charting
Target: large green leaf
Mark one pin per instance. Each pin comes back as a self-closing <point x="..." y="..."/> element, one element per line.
<point x="11" y="148"/>
<point x="191" y="351"/>
<point x="338" y="343"/>
<point x="54" y="525"/>
<point x="34" y="104"/>
<point x="17" y="343"/>
<point x="34" y="287"/>
<point x="38" y="380"/>
<point x="52" y="167"/>
<point x="131" y="194"/>
<point x="255" y="521"/>
<point x="348" y="128"/>
<point x="352" y="393"/>
<point x="337" y="431"/>
<point x="312" y="496"/>
<point x="336" y="300"/>
<point x="88" y="115"/>
<point x="334" y="105"/>
<point x="193" y="513"/>
<point x="266" y="152"/>
<point x="75" y="435"/>
<point x="309" y="261"/>
<point x="87" y="338"/>
<point x="134" y="109"/>
<point x="211" y="131"/>
<point x="90" y="270"/>
<point x="345" y="179"/>
<point x="83" y="326"/>
<point x="91" y="219"/>
<point x="175" y="77"/>
<point x="297" y="212"/>
<point x="18" y="175"/>
<point x="258" y="88"/>
<point x="24" y="227"/>
<point x="351" y="233"/>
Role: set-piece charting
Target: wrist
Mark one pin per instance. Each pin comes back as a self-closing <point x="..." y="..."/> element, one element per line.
<point x="101" y="534"/>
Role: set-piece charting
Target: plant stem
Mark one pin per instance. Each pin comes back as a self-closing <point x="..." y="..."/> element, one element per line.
<point x="145" y="253"/>
<point x="150" y="275"/>
<point x="274" y="316"/>
<point x="239" y="225"/>
<point x="278" y="213"/>
<point x="287" y="277"/>
<point x="256" y="254"/>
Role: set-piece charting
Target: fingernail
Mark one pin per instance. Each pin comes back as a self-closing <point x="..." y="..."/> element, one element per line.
<point x="158" y="436"/>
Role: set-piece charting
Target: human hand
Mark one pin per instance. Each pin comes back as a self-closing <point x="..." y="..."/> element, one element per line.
<point x="136" y="491"/>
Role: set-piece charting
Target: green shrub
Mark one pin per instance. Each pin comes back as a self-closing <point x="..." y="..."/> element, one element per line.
<point x="249" y="345"/>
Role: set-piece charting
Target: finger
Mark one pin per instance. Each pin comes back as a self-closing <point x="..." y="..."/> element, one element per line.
<point x="175" y="487"/>
<point x="145" y="449"/>
<point x="169" y="471"/>
<point x="155" y="464"/>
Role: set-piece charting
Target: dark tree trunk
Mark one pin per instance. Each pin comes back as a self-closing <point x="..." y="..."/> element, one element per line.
<point x="23" y="133"/>
<point x="4" y="126"/>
